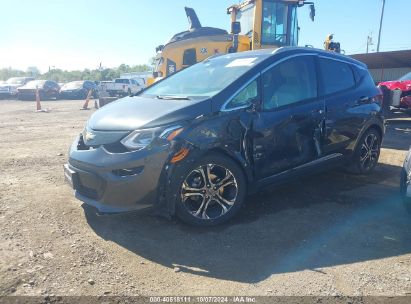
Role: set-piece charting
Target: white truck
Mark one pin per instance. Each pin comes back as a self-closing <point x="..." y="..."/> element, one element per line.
<point x="124" y="86"/>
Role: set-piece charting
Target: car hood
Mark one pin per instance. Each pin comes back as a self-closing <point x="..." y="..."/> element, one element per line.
<point x="132" y="113"/>
<point x="397" y="85"/>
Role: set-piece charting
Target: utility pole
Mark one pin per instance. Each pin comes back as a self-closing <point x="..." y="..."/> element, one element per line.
<point x="369" y="42"/>
<point x="382" y="17"/>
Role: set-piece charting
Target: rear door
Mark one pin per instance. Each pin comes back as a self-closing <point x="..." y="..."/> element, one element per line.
<point x="287" y="131"/>
<point x="343" y="105"/>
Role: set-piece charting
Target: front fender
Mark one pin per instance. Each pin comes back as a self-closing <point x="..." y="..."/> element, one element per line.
<point x="226" y="133"/>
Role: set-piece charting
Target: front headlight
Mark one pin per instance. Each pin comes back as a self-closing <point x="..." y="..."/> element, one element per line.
<point x="140" y="139"/>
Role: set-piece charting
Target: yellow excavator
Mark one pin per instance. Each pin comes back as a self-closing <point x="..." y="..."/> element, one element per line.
<point x="255" y="24"/>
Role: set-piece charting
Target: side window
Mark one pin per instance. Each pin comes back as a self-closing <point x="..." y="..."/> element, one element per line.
<point x="289" y="82"/>
<point x="336" y="76"/>
<point x="245" y="97"/>
<point x="189" y="57"/>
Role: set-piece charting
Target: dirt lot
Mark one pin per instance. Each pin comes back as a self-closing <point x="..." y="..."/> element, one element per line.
<point x="329" y="234"/>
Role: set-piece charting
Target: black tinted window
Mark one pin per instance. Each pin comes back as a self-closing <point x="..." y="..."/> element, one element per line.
<point x="189" y="57"/>
<point x="289" y="82"/>
<point x="245" y="97"/>
<point x="336" y="76"/>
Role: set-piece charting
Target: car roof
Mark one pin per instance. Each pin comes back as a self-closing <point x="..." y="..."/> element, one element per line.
<point x="284" y="51"/>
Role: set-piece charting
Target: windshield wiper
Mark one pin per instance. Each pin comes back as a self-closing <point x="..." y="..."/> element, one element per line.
<point x="171" y="97"/>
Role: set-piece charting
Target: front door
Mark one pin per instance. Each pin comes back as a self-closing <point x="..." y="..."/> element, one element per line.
<point x="287" y="132"/>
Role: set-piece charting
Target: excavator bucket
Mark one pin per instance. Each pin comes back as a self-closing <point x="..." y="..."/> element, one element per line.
<point x="192" y="18"/>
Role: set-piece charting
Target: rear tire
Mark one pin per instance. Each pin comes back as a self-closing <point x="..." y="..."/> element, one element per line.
<point x="208" y="191"/>
<point x="367" y="153"/>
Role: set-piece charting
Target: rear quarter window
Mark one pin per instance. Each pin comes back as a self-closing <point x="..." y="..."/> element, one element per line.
<point x="336" y="76"/>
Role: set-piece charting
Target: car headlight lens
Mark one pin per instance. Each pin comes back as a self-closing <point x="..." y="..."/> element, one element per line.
<point x="140" y="139"/>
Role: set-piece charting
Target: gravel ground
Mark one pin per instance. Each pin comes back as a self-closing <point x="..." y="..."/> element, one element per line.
<point x="328" y="234"/>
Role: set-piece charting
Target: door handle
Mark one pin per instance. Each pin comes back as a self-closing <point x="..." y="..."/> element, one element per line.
<point x="363" y="99"/>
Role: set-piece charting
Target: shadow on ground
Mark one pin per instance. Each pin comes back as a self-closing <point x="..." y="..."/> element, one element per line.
<point x="324" y="220"/>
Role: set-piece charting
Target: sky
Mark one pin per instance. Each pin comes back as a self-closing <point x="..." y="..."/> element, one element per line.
<point x="78" y="34"/>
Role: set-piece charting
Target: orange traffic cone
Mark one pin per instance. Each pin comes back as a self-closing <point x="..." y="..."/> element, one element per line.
<point x="38" y="104"/>
<point x="85" y="106"/>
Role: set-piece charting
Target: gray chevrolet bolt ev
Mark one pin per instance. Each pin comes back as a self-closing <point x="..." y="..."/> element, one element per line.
<point x="195" y="143"/>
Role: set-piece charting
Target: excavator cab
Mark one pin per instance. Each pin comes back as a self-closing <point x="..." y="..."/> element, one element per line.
<point x="269" y="23"/>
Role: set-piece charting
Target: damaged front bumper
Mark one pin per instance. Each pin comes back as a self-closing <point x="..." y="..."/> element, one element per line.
<point x="116" y="182"/>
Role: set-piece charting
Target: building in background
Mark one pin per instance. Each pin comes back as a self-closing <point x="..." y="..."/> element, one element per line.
<point x="385" y="66"/>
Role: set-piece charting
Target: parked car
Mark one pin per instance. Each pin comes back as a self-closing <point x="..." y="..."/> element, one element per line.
<point x="78" y="90"/>
<point x="406" y="182"/>
<point x="195" y="143"/>
<point x="124" y="87"/>
<point x="403" y="85"/>
<point x="47" y="89"/>
<point x="10" y="87"/>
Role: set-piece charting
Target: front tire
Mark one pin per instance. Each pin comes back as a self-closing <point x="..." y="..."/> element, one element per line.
<point x="209" y="191"/>
<point x="367" y="153"/>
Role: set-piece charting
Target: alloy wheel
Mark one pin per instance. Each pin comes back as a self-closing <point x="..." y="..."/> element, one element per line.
<point x="369" y="152"/>
<point x="209" y="191"/>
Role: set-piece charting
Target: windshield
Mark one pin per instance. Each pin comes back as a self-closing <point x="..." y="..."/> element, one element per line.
<point x="33" y="84"/>
<point x="206" y="78"/>
<point x="275" y="23"/>
<point x="122" y="80"/>
<point x="246" y="17"/>
<point x="405" y="77"/>
<point x="73" y="85"/>
<point x="15" y="80"/>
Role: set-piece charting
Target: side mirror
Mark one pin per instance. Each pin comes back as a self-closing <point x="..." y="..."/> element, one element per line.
<point x="312" y="12"/>
<point x="235" y="27"/>
<point x="252" y="105"/>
